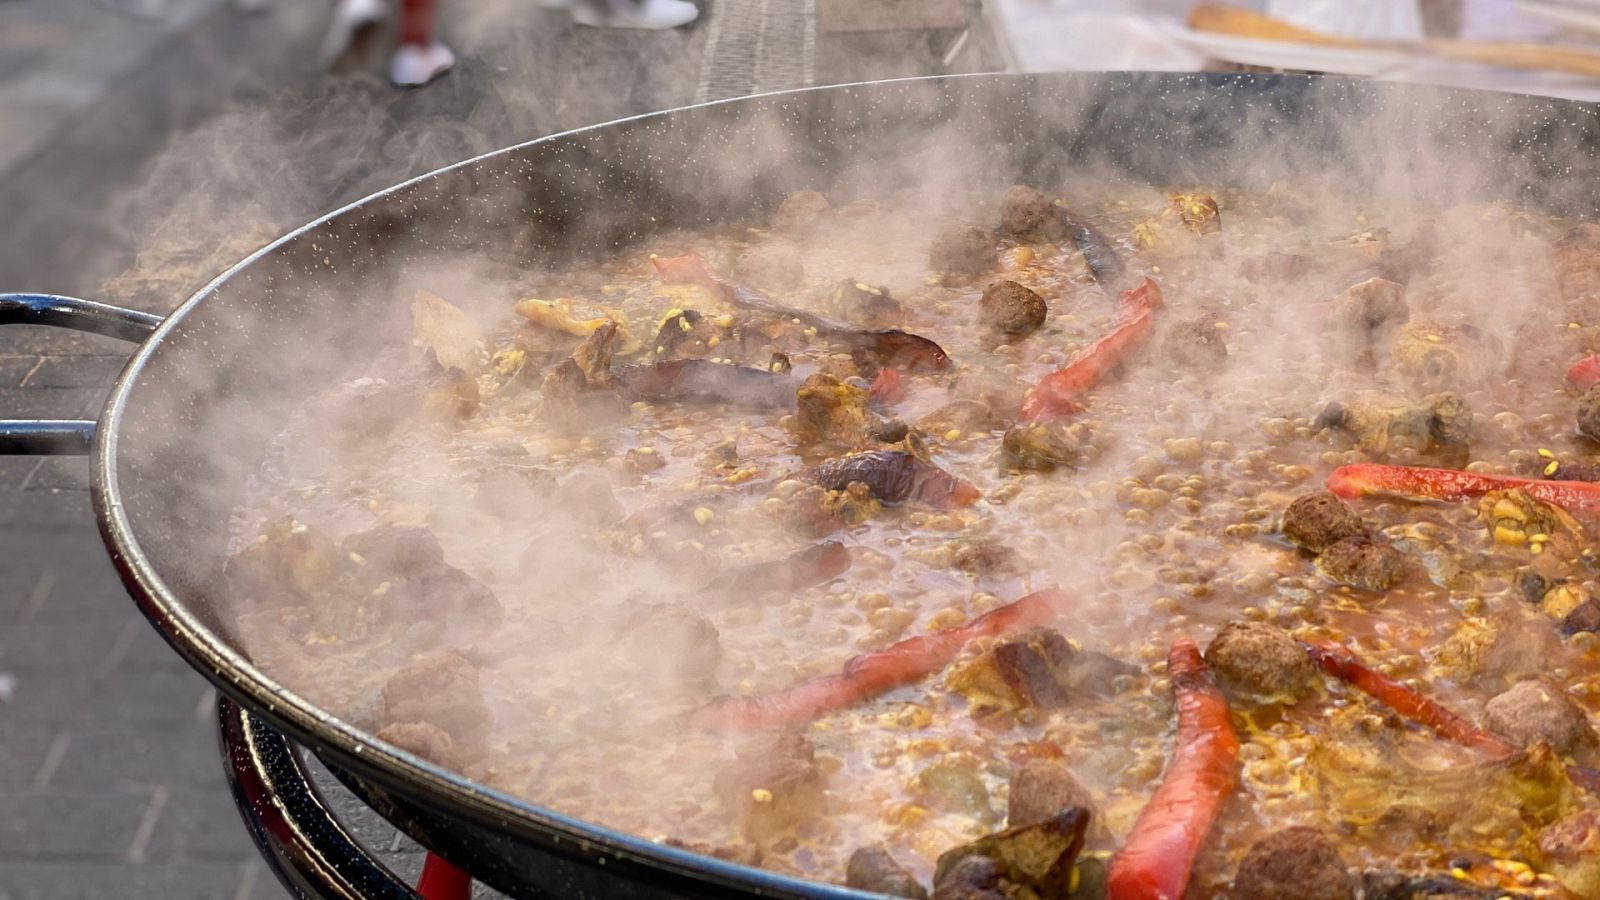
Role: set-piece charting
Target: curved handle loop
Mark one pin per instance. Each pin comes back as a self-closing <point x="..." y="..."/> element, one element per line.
<point x="66" y="436"/>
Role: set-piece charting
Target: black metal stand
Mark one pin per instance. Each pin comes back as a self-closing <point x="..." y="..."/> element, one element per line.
<point x="304" y="845"/>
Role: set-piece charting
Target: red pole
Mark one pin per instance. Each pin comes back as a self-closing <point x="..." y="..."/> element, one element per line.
<point x="442" y="881"/>
<point x="416" y="22"/>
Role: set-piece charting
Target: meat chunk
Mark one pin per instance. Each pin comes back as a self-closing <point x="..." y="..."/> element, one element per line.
<point x="1199" y="212"/>
<point x="1318" y="521"/>
<point x="1515" y="517"/>
<point x="1262" y="659"/>
<point x="831" y="411"/>
<point x="1295" y="862"/>
<point x="864" y="304"/>
<point x="439" y="690"/>
<point x="1585" y="618"/>
<point x="1571" y="852"/>
<point x="359" y="412"/>
<point x="1012" y="309"/>
<point x="967" y="251"/>
<point x="1490" y="647"/>
<point x="1039" y="856"/>
<point x="801" y="211"/>
<point x="972" y="878"/>
<point x="1589" y="413"/>
<point x="1540" y="710"/>
<point x="428" y="741"/>
<point x="1194" y="343"/>
<point x="1030" y="669"/>
<point x="1043" y="447"/>
<point x="1040" y="788"/>
<point x="1363" y="563"/>
<point x="1025" y="212"/>
<point x="773" y="785"/>
<point x="288" y="564"/>
<point x="1371" y="306"/>
<point x="1441" y="422"/>
<point x="674" y="645"/>
<point x="874" y="869"/>
<point x="984" y="557"/>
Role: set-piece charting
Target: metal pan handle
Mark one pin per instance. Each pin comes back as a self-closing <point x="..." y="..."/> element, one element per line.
<point x="65" y="436"/>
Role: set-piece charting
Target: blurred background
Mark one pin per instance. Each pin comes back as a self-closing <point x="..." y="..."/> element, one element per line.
<point x="145" y="145"/>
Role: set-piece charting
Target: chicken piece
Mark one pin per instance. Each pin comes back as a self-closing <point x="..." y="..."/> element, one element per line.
<point x="1318" y="521"/>
<point x="443" y="328"/>
<point x="1570" y="850"/>
<point x="288" y="564"/>
<point x="1026" y="213"/>
<point x="1199" y="212"/>
<point x="831" y="411"/>
<point x="559" y="316"/>
<point x="1441" y="421"/>
<point x="439" y="690"/>
<point x="1363" y="563"/>
<point x="1540" y="710"/>
<point x="1029" y="670"/>
<point x="428" y="741"/>
<point x="1012" y="309"/>
<point x="1589" y="413"/>
<point x="1296" y="862"/>
<point x="407" y="572"/>
<point x="1489" y="647"/>
<point x="815" y="511"/>
<point x="773" y="785"/>
<point x="686" y="333"/>
<point x="1040" y="788"/>
<point x="1194" y="344"/>
<point x="973" y="878"/>
<point x="983" y="557"/>
<point x="863" y="304"/>
<point x="1586" y="618"/>
<point x="1043" y="447"/>
<point x="594" y="354"/>
<point x="359" y="413"/>
<point x="1039" y="857"/>
<point x="1263" y="660"/>
<point x="874" y="869"/>
<point x="1433" y="357"/>
<point x="801" y="211"/>
<point x="673" y="646"/>
<point x="1371" y="308"/>
<point x="1513" y="517"/>
<point x="453" y="397"/>
<point x="965" y="251"/>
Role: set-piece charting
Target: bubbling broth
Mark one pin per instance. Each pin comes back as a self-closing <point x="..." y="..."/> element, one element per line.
<point x="863" y="546"/>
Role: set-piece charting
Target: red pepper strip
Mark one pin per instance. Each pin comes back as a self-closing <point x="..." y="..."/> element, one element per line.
<point x="1155" y="860"/>
<point x="1343" y="664"/>
<point x="1057" y="394"/>
<point x="887" y="388"/>
<point x="872" y="674"/>
<point x="1580" y="498"/>
<point x="1584" y="374"/>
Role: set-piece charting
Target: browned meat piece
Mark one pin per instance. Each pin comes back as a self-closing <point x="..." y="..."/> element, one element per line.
<point x="1589" y="413"/>
<point x="1042" y="447"/>
<point x="674" y="642"/>
<point x="360" y="411"/>
<point x="801" y="211"/>
<point x="863" y="304"/>
<point x="1040" y="788"/>
<point x="984" y="557"/>
<point x="873" y="869"/>
<point x="1517" y="518"/>
<point x="421" y="586"/>
<point x="1492" y="648"/>
<point x="1442" y="422"/>
<point x="1318" y="521"/>
<point x="1372" y="306"/>
<point x="1039" y="857"/>
<point x="454" y="396"/>
<point x="814" y="511"/>
<point x="1296" y="862"/>
<point x="288" y="564"/>
<point x="425" y="740"/>
<point x="1012" y="309"/>
<point x="1585" y="618"/>
<point x="1540" y="710"/>
<point x="1363" y="563"/>
<point x="593" y="354"/>
<point x="685" y="333"/>
<point x="1026" y="213"/>
<point x="1262" y="659"/>
<point x="968" y="251"/>
<point x="1570" y="850"/>
<point x="1429" y="356"/>
<point x="773" y="267"/>
<point x="1388" y="884"/>
<point x="956" y="787"/>
<point x="894" y="476"/>
<point x="831" y="411"/>
<point x="401" y="549"/>
<point x="1197" y="211"/>
<point x="1030" y="670"/>
<point x="1196" y="343"/>
<point x="773" y="785"/>
<point x="1451" y="419"/>
<point x="439" y="690"/>
<point x="587" y="494"/>
<point x="973" y="878"/>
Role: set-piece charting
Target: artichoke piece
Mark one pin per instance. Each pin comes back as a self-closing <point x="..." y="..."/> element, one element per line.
<point x="1039" y="856"/>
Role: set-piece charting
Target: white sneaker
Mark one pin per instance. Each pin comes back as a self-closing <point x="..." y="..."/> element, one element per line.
<point x="414" y="65"/>
<point x="652" y="14"/>
<point x="350" y="18"/>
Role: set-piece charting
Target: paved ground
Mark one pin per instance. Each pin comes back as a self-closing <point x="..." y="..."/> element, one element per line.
<point x="137" y="158"/>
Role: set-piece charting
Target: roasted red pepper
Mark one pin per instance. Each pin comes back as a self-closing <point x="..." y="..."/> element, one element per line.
<point x="1155" y="861"/>
<point x="812" y="565"/>
<point x="872" y="674"/>
<point x="703" y="381"/>
<point x="1580" y="498"/>
<point x="894" y="476"/>
<point x="887" y="388"/>
<point x="1058" y="393"/>
<point x="1584" y="374"/>
<point x="888" y="346"/>
<point x="1343" y="664"/>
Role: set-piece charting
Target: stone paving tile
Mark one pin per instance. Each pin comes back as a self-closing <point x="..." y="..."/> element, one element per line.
<point x="66" y="645"/>
<point x="47" y="403"/>
<point x="133" y="754"/>
<point x="61" y="473"/>
<point x="73" y="371"/>
<point x="23" y="752"/>
<point x="42" y="511"/>
<point x="198" y="825"/>
<point x="41" y="824"/>
<point x="38" y="340"/>
<point x="14" y="470"/>
<point x="13" y="369"/>
<point x="80" y="880"/>
<point x="158" y="698"/>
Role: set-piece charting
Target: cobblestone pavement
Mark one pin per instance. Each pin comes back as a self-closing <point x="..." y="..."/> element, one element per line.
<point x="110" y="780"/>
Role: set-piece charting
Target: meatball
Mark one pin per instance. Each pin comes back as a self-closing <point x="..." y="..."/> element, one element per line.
<point x="1589" y="413"/>
<point x="1011" y="308"/>
<point x="1450" y="419"/>
<point x="1363" y="563"/>
<point x="1195" y="343"/>
<point x="863" y="304"/>
<point x="1295" y="862"/>
<point x="1585" y="618"/>
<point x="1318" y="521"/>
<point x="1037" y="447"/>
<point x="801" y="211"/>
<point x="440" y="690"/>
<point x="1371" y="306"/>
<point x="1040" y="788"/>
<point x="1540" y="710"/>
<point x="873" y="869"/>
<point x="1024" y="211"/>
<point x="968" y="251"/>
<point x="1262" y="659"/>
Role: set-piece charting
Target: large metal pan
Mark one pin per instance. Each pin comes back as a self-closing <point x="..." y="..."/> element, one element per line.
<point x="190" y="416"/>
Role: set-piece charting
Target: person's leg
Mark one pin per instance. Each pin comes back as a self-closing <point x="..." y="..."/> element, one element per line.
<point x="350" y="18"/>
<point x="634" y="13"/>
<point x="419" y="58"/>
